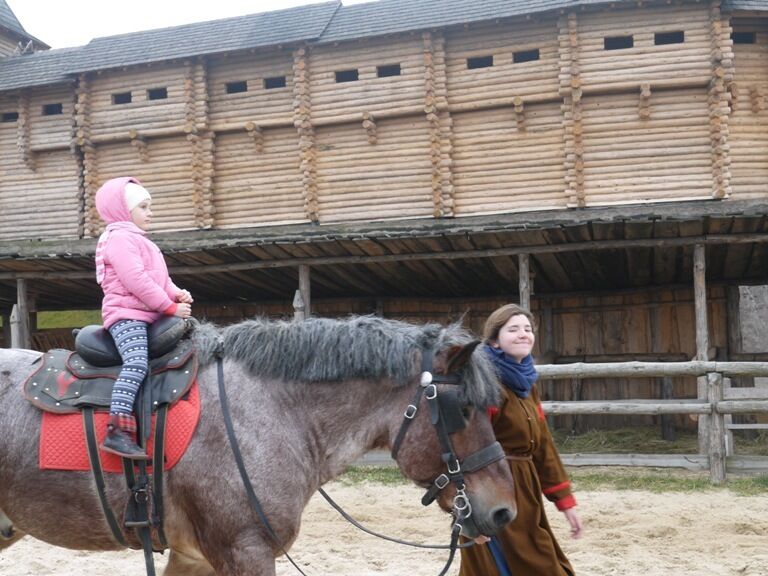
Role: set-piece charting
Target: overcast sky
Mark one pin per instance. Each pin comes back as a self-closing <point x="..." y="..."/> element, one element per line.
<point x="63" y="23"/>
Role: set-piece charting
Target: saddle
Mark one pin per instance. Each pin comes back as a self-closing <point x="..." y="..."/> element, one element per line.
<point x="69" y="381"/>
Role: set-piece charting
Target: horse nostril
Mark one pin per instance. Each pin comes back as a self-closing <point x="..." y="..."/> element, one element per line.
<point x="502" y="517"/>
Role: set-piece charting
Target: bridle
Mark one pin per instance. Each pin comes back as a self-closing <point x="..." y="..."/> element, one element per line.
<point x="447" y="416"/>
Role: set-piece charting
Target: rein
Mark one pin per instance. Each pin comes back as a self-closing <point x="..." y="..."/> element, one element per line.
<point x="446" y="417"/>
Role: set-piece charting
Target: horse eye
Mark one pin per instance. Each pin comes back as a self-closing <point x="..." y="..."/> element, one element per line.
<point x="466" y="411"/>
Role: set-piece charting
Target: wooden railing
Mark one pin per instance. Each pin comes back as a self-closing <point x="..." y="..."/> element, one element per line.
<point x="712" y="406"/>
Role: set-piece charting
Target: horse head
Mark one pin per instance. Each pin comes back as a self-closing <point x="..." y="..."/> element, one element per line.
<point x="446" y="443"/>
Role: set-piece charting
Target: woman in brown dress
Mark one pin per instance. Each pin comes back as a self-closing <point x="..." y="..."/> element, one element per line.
<point x="527" y="546"/>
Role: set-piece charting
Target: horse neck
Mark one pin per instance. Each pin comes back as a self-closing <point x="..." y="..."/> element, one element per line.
<point x="344" y="420"/>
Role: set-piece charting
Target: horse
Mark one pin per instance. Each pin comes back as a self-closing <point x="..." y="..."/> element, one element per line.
<point x="307" y="399"/>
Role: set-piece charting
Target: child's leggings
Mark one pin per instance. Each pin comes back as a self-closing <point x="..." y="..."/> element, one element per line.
<point x="130" y="337"/>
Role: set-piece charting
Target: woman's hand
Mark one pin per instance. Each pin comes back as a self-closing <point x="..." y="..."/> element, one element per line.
<point x="574" y="520"/>
<point x="183" y="310"/>
<point x="184" y="296"/>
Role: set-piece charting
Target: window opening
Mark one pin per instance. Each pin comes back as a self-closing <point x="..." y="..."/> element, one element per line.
<point x="121" y="98"/>
<point x="525" y="56"/>
<point x="157" y="93"/>
<point x="53" y="109"/>
<point x="388" y="70"/>
<point x="237" y="87"/>
<point x="743" y="37"/>
<point x="274" y="82"/>
<point x="10" y="116"/>
<point x="618" y="42"/>
<point x="479" y="62"/>
<point x="662" y="38"/>
<point x="347" y="75"/>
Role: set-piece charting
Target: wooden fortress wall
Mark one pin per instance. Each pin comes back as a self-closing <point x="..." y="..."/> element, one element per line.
<point x="552" y="112"/>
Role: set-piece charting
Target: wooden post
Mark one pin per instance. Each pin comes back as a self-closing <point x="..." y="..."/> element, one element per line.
<point x="525" y="281"/>
<point x="305" y="289"/>
<point x="668" y="431"/>
<point x="7" y="330"/>
<point x="298" y="306"/>
<point x="702" y="337"/>
<point x="22" y="339"/>
<point x="548" y="350"/>
<point x="717" y="429"/>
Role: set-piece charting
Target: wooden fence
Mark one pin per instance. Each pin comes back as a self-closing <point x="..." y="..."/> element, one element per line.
<point x="712" y="406"/>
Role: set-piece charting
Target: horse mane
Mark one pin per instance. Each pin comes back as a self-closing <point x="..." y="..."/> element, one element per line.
<point x="333" y="350"/>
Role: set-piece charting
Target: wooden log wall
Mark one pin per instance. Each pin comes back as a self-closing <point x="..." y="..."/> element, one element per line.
<point x="748" y="123"/>
<point x="8" y="44"/>
<point x="545" y="118"/>
<point x="51" y="174"/>
<point x="258" y="183"/>
<point x="264" y="107"/>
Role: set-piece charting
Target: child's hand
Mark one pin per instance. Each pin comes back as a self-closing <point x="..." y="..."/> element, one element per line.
<point x="183" y="310"/>
<point x="184" y="296"/>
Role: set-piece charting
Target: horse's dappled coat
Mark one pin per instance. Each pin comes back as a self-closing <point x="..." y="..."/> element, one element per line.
<point x="329" y="350"/>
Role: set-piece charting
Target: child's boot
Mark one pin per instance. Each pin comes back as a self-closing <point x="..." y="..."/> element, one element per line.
<point x="121" y="437"/>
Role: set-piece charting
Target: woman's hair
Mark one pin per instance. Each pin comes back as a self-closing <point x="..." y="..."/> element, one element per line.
<point x="501" y="316"/>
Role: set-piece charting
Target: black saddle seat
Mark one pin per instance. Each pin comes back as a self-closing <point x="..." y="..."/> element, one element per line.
<point x="95" y="344"/>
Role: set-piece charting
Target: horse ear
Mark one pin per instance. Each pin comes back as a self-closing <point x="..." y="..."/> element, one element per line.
<point x="458" y="356"/>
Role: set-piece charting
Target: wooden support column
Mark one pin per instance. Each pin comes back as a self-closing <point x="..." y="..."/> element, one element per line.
<point x="716" y="448"/>
<point x="524" y="274"/>
<point x="305" y="289"/>
<point x="20" y="336"/>
<point x="668" y="431"/>
<point x="7" y="339"/>
<point x="702" y="336"/>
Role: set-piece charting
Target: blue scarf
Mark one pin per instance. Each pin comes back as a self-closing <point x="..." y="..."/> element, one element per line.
<point x="517" y="376"/>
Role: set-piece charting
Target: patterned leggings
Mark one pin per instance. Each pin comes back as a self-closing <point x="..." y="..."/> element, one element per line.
<point x="130" y="337"/>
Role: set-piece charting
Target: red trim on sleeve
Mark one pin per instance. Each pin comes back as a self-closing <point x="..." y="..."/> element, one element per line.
<point x="566" y="503"/>
<point x="492" y="411"/>
<point x="540" y="408"/>
<point x="171" y="310"/>
<point x="553" y="489"/>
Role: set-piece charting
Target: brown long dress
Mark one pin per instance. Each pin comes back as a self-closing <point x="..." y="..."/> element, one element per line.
<point x="529" y="545"/>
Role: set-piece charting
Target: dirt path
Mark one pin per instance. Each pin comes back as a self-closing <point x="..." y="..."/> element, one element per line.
<point x="628" y="533"/>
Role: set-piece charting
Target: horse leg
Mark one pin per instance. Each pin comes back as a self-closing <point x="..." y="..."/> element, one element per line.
<point x="180" y="564"/>
<point x="248" y="560"/>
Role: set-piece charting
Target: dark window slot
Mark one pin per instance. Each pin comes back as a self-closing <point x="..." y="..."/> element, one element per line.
<point x="53" y="109"/>
<point x="662" y="38"/>
<point x="237" y="87"/>
<point x="618" y="42"/>
<point x="479" y="62"/>
<point x="525" y="56"/>
<point x="157" y="93"/>
<point x="388" y="70"/>
<point x="10" y="116"/>
<point x="347" y="75"/>
<point x="121" y="98"/>
<point x="743" y="37"/>
<point x="274" y="82"/>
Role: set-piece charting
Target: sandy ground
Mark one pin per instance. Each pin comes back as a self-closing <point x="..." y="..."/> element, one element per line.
<point x="631" y="533"/>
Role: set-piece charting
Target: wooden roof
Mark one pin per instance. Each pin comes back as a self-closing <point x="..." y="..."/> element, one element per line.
<point x="317" y="23"/>
<point x="9" y="21"/>
<point x="594" y="250"/>
<point x="290" y="26"/>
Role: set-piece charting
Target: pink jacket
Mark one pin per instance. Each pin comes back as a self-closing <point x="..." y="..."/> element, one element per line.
<point x="136" y="283"/>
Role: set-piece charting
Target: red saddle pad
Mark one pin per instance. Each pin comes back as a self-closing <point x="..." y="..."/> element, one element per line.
<point x="63" y="446"/>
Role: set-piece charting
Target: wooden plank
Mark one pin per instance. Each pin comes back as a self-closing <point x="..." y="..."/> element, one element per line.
<point x="650" y="369"/>
<point x="633" y="407"/>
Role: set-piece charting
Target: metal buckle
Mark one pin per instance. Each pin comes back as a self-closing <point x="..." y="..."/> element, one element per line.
<point x="410" y="412"/>
<point x="431" y="389"/>
<point x="426" y="378"/>
<point x="442" y="481"/>
<point x="458" y="467"/>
